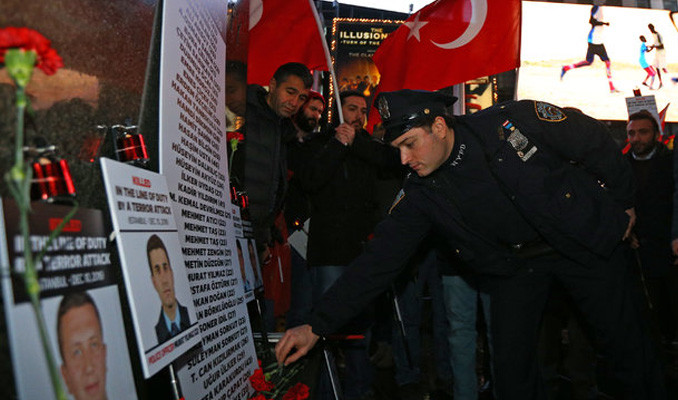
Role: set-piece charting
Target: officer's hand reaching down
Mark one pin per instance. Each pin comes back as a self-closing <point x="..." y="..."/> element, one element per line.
<point x="300" y="338"/>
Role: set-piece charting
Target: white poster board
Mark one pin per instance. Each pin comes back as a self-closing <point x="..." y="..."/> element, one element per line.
<point x="79" y="295"/>
<point x="193" y="158"/>
<point x="153" y="267"/>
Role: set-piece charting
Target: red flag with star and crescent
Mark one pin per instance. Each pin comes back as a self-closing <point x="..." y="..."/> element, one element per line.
<point x="283" y="31"/>
<point x="449" y="42"/>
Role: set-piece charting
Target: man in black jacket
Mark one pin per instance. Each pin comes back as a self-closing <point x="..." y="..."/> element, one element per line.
<point x="339" y="179"/>
<point x="652" y="168"/>
<point x="297" y="207"/>
<point x="516" y="191"/>
<point x="260" y="168"/>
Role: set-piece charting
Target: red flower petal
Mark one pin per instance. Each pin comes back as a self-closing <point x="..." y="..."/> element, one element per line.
<point x="48" y="60"/>
<point x="297" y="392"/>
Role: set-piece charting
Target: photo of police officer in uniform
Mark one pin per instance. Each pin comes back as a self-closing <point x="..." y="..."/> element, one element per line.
<point x="174" y="317"/>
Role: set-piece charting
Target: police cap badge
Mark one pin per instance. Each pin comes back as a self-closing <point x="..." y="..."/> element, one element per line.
<point x="402" y="109"/>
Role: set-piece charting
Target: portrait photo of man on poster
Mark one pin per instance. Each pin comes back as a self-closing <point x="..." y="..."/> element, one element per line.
<point x="82" y="347"/>
<point x="174" y="317"/>
<point x="88" y="336"/>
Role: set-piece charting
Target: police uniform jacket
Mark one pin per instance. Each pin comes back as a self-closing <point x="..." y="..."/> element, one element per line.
<point x="557" y="175"/>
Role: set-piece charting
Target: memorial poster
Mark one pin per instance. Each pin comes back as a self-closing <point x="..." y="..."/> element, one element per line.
<point x="354" y="42"/>
<point x="80" y="303"/>
<point x="193" y="158"/>
<point x="160" y="297"/>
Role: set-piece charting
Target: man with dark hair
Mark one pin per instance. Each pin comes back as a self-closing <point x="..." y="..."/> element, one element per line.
<point x="516" y="192"/>
<point x="81" y="346"/>
<point x="652" y="169"/>
<point x="173" y="316"/>
<point x="260" y="168"/>
<point x="340" y="180"/>
<point x="307" y="118"/>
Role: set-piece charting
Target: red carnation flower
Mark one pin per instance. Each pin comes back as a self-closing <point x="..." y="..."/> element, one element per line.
<point x="259" y="382"/>
<point x="297" y="392"/>
<point x="28" y="39"/>
<point x="259" y="397"/>
<point x="234" y="135"/>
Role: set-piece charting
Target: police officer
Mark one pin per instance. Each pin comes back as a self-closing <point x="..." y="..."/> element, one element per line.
<point x="526" y="193"/>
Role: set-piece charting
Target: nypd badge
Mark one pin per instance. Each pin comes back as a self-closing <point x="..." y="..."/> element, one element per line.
<point x="521" y="144"/>
<point x="548" y="112"/>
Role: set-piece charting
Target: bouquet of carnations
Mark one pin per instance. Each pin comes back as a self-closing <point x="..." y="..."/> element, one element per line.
<point x="277" y="382"/>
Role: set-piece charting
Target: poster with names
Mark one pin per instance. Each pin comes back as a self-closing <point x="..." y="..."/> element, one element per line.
<point x="156" y="281"/>
<point x="193" y="158"/>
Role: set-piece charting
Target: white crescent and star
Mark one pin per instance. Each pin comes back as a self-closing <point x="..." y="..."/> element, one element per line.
<point x="414" y="26"/>
<point x="478" y="16"/>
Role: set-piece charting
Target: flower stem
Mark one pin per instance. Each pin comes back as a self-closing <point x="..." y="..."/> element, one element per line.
<point x="17" y="172"/>
<point x="19" y="177"/>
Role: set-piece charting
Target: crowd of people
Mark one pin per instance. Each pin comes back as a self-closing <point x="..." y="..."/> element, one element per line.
<point x="519" y="213"/>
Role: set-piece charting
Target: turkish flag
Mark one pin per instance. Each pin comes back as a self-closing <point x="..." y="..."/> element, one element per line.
<point x="283" y="31"/>
<point x="449" y="42"/>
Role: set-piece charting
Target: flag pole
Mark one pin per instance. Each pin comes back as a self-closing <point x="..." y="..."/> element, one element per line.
<point x="328" y="59"/>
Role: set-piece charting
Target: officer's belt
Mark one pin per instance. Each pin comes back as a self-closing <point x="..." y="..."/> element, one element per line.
<point x="534" y="249"/>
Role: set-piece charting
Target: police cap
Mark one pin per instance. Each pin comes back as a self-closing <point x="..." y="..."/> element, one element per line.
<point x="401" y="110"/>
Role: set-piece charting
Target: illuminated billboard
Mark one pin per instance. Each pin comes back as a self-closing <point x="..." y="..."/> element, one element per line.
<point x="554" y="46"/>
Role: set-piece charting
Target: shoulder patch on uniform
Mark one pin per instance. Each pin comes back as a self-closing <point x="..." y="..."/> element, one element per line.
<point x="399" y="197"/>
<point x="549" y="112"/>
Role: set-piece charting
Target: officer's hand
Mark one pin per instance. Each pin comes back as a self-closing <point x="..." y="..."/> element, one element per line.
<point x="300" y="338"/>
<point x="632" y="221"/>
<point x="345" y="133"/>
<point x="674" y="247"/>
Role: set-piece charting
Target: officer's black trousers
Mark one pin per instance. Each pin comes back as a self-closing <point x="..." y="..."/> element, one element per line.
<point x="609" y="301"/>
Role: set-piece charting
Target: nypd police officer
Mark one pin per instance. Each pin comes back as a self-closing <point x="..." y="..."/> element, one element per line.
<point x="525" y="193"/>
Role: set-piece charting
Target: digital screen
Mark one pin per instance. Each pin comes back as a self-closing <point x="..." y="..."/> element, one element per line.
<point x="556" y="35"/>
